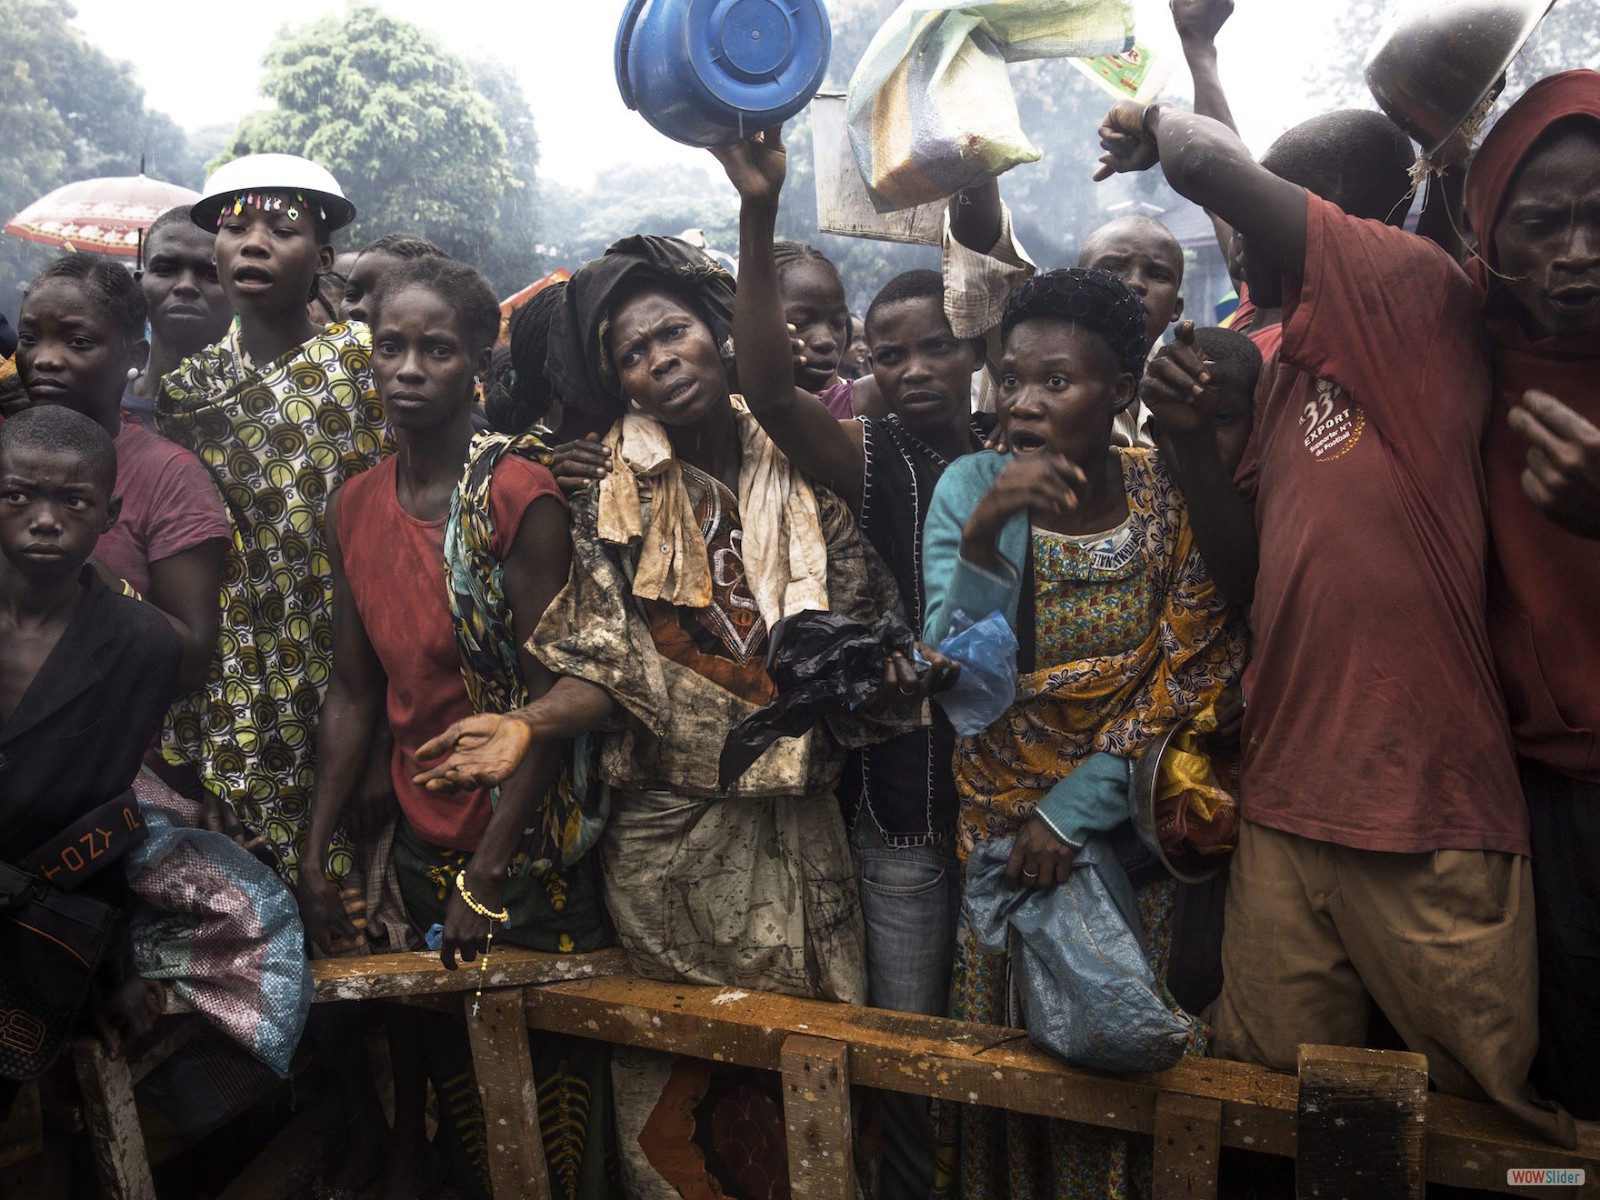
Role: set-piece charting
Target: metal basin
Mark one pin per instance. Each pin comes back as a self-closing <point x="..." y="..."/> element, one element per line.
<point x="1435" y="60"/>
<point x="1155" y="819"/>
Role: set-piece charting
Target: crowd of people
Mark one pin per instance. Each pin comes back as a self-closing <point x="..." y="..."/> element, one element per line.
<point x="441" y="627"/>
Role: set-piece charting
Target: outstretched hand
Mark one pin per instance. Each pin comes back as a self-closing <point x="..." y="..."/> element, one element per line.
<point x="1122" y="137"/>
<point x="483" y="750"/>
<point x="1174" y="386"/>
<point x="757" y="165"/>
<point x="1562" y="476"/>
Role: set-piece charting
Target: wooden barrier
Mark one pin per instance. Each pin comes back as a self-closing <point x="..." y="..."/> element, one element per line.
<point x="1191" y="1111"/>
<point x="295" y="1157"/>
<point x="1360" y="1122"/>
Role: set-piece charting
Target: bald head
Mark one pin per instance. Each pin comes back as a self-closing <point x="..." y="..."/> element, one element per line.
<point x="1147" y="232"/>
<point x="1143" y="254"/>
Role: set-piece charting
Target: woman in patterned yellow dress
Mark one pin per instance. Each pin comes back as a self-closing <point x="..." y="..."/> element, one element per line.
<point x="1086" y="549"/>
<point x="281" y="412"/>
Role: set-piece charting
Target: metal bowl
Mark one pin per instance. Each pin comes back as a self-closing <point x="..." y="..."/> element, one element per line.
<point x="1182" y="858"/>
<point x="1436" y="60"/>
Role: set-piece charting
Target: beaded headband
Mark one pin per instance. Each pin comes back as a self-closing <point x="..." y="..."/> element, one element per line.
<point x="267" y="202"/>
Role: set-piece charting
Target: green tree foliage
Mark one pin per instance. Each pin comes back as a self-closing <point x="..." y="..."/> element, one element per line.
<point x="512" y="258"/>
<point x="69" y="112"/>
<point x="398" y="121"/>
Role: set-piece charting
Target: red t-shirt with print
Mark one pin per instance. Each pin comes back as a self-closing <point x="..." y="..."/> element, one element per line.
<point x="1374" y="718"/>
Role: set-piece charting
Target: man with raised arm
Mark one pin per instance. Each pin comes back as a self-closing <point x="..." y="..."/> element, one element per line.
<point x="1383" y="853"/>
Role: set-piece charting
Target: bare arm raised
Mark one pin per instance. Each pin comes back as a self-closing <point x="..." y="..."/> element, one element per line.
<point x="1205" y="162"/>
<point x="825" y="449"/>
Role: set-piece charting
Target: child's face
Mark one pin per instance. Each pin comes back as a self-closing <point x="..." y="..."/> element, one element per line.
<point x="666" y="359"/>
<point x="814" y="303"/>
<point x="267" y="260"/>
<point x="70" y="352"/>
<point x="922" y="369"/>
<point x="365" y="275"/>
<point x="52" y="511"/>
<point x="1148" y="264"/>
<point x="188" y="311"/>
<point x="1059" y="390"/>
<point x="421" y="362"/>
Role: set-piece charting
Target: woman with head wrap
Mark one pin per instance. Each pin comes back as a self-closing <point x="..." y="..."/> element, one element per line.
<point x="699" y="539"/>
<point x="519" y="396"/>
<point x="1085" y="548"/>
<point x="1533" y="198"/>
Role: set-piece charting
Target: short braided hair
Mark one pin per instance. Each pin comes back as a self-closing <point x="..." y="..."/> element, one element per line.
<point x="527" y="394"/>
<point x="921" y="284"/>
<point x="792" y="254"/>
<point x="173" y="216"/>
<point x="458" y="285"/>
<point x="1088" y="297"/>
<point x="403" y="245"/>
<point x="118" y="293"/>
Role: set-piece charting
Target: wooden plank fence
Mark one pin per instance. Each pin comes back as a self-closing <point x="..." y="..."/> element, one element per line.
<point x="1361" y="1123"/>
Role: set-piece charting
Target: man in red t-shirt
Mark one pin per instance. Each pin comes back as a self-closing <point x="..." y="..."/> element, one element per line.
<point x="1383" y="853"/>
<point x="1533" y="196"/>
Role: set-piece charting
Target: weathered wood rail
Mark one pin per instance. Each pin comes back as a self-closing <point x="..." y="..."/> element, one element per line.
<point x="1361" y="1123"/>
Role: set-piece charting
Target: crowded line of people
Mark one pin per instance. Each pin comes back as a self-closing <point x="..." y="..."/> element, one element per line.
<point x="452" y="638"/>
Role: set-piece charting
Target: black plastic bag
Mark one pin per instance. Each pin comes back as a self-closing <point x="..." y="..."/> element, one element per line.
<point x="820" y="662"/>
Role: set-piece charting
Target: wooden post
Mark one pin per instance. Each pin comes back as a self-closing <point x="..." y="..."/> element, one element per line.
<point x="1188" y="1143"/>
<point x="303" y="1149"/>
<point x="816" y="1117"/>
<point x="113" y="1121"/>
<point x="1362" y="1124"/>
<point x="503" y="1064"/>
<point x="22" y="1133"/>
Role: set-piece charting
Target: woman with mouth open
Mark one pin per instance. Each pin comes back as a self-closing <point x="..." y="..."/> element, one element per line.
<point x="281" y="412"/>
<point x="697" y="541"/>
<point x="1085" y="548"/>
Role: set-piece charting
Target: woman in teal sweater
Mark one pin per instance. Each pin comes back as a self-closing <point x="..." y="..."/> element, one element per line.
<point x="1085" y="549"/>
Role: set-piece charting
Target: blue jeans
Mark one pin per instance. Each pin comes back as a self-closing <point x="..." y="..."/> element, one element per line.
<point x="910" y="898"/>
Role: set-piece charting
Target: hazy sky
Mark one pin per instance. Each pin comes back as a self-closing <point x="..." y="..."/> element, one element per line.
<point x="201" y="63"/>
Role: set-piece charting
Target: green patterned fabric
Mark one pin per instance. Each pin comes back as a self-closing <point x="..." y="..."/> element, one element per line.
<point x="277" y="439"/>
<point x="569" y="823"/>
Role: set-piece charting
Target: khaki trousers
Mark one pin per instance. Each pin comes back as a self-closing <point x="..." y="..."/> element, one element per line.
<point x="1443" y="943"/>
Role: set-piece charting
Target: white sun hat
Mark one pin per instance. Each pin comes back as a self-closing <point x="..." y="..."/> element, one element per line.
<point x="273" y="173"/>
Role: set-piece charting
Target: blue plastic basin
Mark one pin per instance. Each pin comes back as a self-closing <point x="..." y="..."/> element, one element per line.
<point x="713" y="72"/>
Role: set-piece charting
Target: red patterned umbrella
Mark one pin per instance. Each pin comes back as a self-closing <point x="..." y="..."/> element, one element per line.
<point x="105" y="216"/>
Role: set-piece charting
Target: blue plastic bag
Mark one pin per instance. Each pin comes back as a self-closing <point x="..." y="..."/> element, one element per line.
<point x="987" y="652"/>
<point x="1088" y="994"/>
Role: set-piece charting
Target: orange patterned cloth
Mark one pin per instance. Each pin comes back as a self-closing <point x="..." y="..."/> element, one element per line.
<point x="1117" y="703"/>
